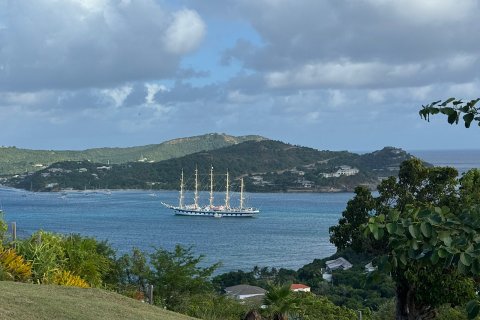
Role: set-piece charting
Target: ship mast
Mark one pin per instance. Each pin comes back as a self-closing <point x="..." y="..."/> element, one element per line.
<point x="180" y="199"/>
<point x="195" y="198"/>
<point x="242" y="198"/>
<point x="227" y="193"/>
<point x="211" y="187"/>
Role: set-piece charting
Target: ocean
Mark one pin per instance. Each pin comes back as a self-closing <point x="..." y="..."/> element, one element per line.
<point x="290" y="231"/>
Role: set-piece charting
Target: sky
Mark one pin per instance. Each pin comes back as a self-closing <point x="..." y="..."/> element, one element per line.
<point x="328" y="74"/>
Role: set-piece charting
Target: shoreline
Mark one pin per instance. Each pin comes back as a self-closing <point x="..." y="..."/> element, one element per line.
<point x="170" y="190"/>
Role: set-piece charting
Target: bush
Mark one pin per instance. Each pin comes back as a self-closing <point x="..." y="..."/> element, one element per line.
<point x="13" y="267"/>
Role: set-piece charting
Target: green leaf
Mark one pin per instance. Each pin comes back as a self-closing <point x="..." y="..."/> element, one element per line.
<point x="426" y="229"/>
<point x="466" y="259"/>
<point x="442" y="253"/>
<point x="448" y="111"/>
<point x="394" y="215"/>
<point x="400" y="230"/>
<point x="403" y="259"/>
<point x="473" y="307"/>
<point x="378" y="234"/>
<point x="445" y="237"/>
<point x="435" y="219"/>
<point x="414" y="231"/>
<point x="434" y="257"/>
<point x="444" y="103"/>
<point x="468" y="118"/>
<point x="391" y="228"/>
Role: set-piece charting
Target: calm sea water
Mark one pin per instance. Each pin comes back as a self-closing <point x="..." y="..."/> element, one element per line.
<point x="462" y="160"/>
<point x="291" y="230"/>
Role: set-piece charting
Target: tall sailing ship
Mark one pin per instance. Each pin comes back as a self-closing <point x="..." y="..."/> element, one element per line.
<point x="212" y="210"/>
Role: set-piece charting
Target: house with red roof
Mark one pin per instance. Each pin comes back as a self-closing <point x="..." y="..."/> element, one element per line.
<point x="298" y="287"/>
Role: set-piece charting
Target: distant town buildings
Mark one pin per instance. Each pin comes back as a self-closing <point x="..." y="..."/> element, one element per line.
<point x="342" y="171"/>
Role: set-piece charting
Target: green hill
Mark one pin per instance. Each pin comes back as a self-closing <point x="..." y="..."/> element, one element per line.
<point x="30" y="301"/>
<point x="15" y="161"/>
<point x="266" y="166"/>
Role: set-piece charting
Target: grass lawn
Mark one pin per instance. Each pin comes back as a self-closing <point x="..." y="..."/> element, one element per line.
<point x="29" y="301"/>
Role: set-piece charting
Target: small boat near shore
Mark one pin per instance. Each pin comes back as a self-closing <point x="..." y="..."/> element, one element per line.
<point x="212" y="210"/>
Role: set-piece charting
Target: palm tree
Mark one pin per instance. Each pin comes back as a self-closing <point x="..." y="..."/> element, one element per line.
<point x="280" y="302"/>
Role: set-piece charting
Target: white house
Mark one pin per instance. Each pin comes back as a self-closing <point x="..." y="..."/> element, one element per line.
<point x="339" y="263"/>
<point x="369" y="267"/>
<point x="244" y="291"/>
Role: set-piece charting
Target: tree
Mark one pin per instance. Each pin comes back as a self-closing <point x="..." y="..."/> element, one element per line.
<point x="432" y="254"/>
<point x="176" y="276"/>
<point x="347" y="232"/>
<point x="280" y="301"/>
<point x="417" y="184"/>
<point x="453" y="109"/>
<point x="469" y="191"/>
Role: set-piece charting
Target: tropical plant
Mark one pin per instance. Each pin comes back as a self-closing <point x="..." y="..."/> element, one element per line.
<point x="67" y="278"/>
<point x="417" y="184"/>
<point x="212" y="306"/>
<point x="432" y="255"/>
<point x="13" y="267"/>
<point x="45" y="252"/>
<point x="83" y="259"/>
<point x="311" y="307"/>
<point x="280" y="302"/>
<point x="347" y="233"/>
<point x="176" y="275"/>
<point x="3" y="229"/>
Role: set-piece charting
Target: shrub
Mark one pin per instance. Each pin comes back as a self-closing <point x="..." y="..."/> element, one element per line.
<point x="67" y="278"/>
<point x="13" y="267"/>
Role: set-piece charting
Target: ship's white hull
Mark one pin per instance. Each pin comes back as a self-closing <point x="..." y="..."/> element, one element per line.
<point x="233" y="213"/>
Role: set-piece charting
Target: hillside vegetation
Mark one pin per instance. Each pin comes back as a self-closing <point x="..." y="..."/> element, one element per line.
<point x="14" y="160"/>
<point x="266" y="166"/>
<point x="29" y="301"/>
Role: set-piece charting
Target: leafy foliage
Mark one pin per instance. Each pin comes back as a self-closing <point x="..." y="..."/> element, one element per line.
<point x="67" y="278"/>
<point x="432" y="254"/>
<point x="13" y="267"/>
<point x="416" y="184"/>
<point x="347" y="232"/>
<point x="44" y="250"/>
<point x="454" y="109"/>
<point x="3" y="229"/>
<point x="83" y="259"/>
<point x="176" y="275"/>
<point x="280" y="302"/>
<point x="214" y="307"/>
<point x="52" y="253"/>
<point x="312" y="307"/>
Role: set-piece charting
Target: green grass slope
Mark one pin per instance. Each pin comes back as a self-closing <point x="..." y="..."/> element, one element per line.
<point x="30" y="301"/>
<point x="14" y="160"/>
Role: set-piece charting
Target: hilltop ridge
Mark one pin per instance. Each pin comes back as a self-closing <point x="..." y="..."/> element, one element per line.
<point x="16" y="160"/>
<point x="265" y="165"/>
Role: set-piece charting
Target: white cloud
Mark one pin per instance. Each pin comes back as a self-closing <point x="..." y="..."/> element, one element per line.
<point x="152" y="90"/>
<point x="118" y="95"/>
<point x="185" y="32"/>
<point x="72" y="44"/>
<point x="342" y="73"/>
